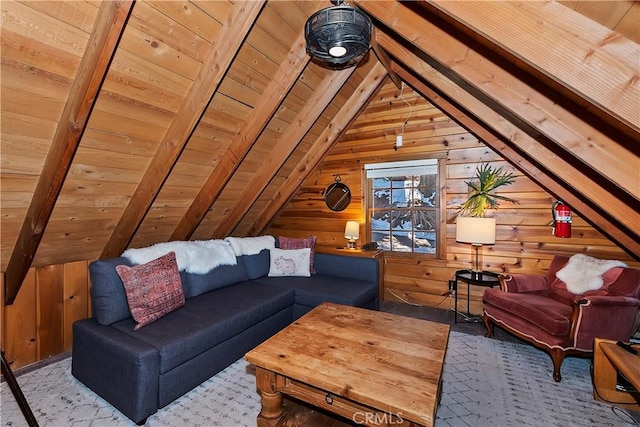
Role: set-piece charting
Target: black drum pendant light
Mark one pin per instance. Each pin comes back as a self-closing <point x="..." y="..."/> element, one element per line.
<point x="338" y="36"/>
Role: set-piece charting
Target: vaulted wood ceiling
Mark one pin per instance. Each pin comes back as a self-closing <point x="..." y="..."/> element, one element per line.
<point x="127" y="123"/>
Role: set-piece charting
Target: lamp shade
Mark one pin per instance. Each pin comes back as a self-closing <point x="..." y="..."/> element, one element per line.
<point x="476" y="230"/>
<point x="352" y="230"/>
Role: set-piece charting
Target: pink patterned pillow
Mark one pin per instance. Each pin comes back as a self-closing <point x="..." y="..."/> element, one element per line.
<point x="294" y="243"/>
<point x="153" y="289"/>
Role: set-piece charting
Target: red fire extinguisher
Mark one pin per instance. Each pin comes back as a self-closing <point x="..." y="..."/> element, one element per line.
<point x="561" y="219"/>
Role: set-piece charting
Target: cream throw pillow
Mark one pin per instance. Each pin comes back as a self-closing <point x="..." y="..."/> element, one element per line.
<point x="289" y="262"/>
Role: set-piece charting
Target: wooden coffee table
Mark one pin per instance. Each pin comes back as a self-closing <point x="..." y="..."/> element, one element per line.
<point x="370" y="367"/>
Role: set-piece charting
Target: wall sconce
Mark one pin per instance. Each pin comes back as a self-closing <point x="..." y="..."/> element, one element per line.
<point x="352" y="233"/>
<point x="478" y="231"/>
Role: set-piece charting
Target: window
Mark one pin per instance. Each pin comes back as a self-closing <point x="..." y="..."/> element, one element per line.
<point x="403" y="205"/>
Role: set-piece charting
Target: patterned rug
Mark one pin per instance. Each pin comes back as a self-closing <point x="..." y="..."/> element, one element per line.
<point x="486" y="382"/>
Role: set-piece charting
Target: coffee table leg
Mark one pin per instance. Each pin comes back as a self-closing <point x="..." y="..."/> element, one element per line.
<point x="270" y="398"/>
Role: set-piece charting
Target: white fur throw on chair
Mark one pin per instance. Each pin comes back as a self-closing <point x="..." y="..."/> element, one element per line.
<point x="199" y="256"/>
<point x="583" y="273"/>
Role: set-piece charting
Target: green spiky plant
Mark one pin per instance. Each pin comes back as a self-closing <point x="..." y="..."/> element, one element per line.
<point x="482" y="195"/>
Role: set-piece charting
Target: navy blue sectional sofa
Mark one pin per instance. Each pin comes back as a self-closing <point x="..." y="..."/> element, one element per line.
<point x="227" y="312"/>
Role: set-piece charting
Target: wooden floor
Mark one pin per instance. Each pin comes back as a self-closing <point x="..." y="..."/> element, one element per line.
<point x="472" y="325"/>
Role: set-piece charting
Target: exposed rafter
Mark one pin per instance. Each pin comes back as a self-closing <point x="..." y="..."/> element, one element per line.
<point x="559" y="107"/>
<point x="583" y="51"/>
<point x="384" y="59"/>
<point x="278" y="88"/>
<point x="214" y="67"/>
<point x="497" y="142"/>
<point x="287" y="144"/>
<point x="101" y="47"/>
<point x="521" y="110"/>
<point x="349" y="112"/>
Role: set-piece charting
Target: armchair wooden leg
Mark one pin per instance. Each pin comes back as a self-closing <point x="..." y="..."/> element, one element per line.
<point x="557" y="355"/>
<point x="488" y="325"/>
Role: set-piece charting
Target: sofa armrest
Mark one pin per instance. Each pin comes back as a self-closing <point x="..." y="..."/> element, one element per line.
<point x="521" y="283"/>
<point x="348" y="267"/>
<point x="610" y="317"/>
<point x="609" y="300"/>
<point x="118" y="367"/>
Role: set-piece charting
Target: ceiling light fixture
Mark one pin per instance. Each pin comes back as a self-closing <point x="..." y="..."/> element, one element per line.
<point x="399" y="136"/>
<point x="338" y="36"/>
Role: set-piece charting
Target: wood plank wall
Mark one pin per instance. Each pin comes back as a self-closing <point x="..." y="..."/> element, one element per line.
<point x="524" y="243"/>
<point x="38" y="324"/>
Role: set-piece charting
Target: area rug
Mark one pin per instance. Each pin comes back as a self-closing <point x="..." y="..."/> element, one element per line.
<point x="486" y="382"/>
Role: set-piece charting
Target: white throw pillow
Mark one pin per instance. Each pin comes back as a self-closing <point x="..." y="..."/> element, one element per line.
<point x="289" y="262"/>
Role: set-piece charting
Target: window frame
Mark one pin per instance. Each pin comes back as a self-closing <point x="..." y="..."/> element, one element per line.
<point x="441" y="209"/>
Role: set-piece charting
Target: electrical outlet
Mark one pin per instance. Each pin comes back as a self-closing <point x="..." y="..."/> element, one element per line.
<point x="452" y="285"/>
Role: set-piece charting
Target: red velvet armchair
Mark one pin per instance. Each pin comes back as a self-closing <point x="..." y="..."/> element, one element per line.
<point x="539" y="309"/>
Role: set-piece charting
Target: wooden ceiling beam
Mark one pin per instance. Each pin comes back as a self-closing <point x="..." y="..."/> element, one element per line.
<point x="497" y="143"/>
<point x="101" y="46"/>
<point x="521" y="99"/>
<point x="520" y="149"/>
<point x="218" y="60"/>
<point x="384" y="59"/>
<point x="272" y="97"/>
<point x="347" y="114"/>
<point x="528" y="118"/>
<point x="305" y="119"/>
<point x="592" y="61"/>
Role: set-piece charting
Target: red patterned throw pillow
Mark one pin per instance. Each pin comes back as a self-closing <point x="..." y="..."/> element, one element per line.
<point x="153" y="289"/>
<point x="294" y="243"/>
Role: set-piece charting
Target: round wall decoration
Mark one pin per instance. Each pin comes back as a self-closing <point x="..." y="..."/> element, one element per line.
<point x="337" y="196"/>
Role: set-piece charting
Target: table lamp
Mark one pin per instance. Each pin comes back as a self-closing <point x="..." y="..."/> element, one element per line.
<point x="352" y="233"/>
<point x="478" y="231"/>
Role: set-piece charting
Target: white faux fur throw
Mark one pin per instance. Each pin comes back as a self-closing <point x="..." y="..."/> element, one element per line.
<point x="198" y="256"/>
<point x="583" y="273"/>
<point x="251" y="245"/>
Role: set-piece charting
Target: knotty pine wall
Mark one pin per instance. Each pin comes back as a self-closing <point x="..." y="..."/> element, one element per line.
<point x="38" y="324"/>
<point x="524" y="243"/>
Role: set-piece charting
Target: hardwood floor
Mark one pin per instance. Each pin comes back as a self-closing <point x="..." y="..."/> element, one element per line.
<point x="472" y="326"/>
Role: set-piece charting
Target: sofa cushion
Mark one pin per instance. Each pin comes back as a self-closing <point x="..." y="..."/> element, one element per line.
<point x="557" y="262"/>
<point x="296" y="243"/>
<point x="221" y="276"/>
<point x="289" y="262"/>
<point x="558" y="290"/>
<point x="108" y="300"/>
<point x="545" y="313"/>
<point x="153" y="289"/>
<point x="620" y="281"/>
<point x="311" y="291"/>
<point x="610" y="286"/>
<point x="208" y="320"/>
<point x="583" y="273"/>
<point x="256" y="266"/>
<point x="250" y="245"/>
<point x="347" y="267"/>
<point x="523" y="327"/>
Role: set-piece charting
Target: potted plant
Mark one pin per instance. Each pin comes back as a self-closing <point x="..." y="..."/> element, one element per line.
<point x="482" y="190"/>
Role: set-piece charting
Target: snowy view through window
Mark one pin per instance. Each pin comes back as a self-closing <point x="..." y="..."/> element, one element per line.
<point x="404" y="213"/>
